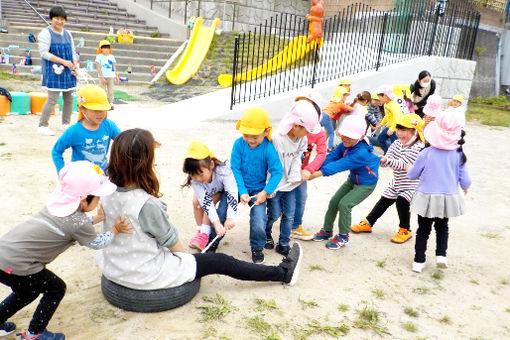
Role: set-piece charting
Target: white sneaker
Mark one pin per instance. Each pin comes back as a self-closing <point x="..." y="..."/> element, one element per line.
<point x="441" y="262"/>
<point x="64" y="127"/>
<point x="418" y="267"/>
<point x="44" y="130"/>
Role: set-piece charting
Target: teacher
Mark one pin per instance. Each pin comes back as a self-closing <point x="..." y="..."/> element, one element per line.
<point x="421" y="90"/>
<point x="57" y="51"/>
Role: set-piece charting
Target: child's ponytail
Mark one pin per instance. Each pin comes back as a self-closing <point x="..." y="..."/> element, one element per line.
<point x="459" y="149"/>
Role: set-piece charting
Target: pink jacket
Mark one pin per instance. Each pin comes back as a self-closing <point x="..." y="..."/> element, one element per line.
<point x="319" y="140"/>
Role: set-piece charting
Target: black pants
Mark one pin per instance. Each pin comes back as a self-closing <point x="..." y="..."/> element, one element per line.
<point x="26" y="289"/>
<point x="218" y="263"/>
<point x="422" y="235"/>
<point x="384" y="203"/>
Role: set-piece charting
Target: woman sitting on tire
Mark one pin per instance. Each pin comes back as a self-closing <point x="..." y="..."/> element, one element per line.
<point x="153" y="257"/>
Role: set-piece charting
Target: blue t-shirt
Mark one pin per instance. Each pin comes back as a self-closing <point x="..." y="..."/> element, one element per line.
<point x="86" y="145"/>
<point x="106" y="62"/>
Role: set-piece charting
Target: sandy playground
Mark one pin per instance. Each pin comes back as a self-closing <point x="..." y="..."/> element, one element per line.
<point x="369" y="277"/>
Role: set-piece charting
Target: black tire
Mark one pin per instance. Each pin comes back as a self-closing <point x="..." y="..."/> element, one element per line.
<point x="148" y="301"/>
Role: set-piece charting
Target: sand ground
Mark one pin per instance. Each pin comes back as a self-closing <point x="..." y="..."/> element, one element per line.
<point x="469" y="300"/>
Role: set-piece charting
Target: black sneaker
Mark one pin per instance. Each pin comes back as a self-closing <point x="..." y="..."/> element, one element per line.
<point x="257" y="256"/>
<point x="281" y="249"/>
<point x="291" y="264"/>
<point x="269" y="242"/>
<point x="7" y="328"/>
<point x="214" y="245"/>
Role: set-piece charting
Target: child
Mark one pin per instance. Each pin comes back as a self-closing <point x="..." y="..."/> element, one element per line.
<point x="356" y="155"/>
<point x="26" y="249"/>
<point x="89" y="138"/>
<point x="441" y="168"/>
<point x="307" y="168"/>
<point x="400" y="92"/>
<point x="432" y="109"/>
<point x="106" y="69"/>
<point x="213" y="181"/>
<point x="360" y="104"/>
<point x="253" y="156"/>
<point x="290" y="143"/>
<point x="153" y="257"/>
<point x="400" y="190"/>
<point x="455" y="106"/>
<point x="392" y="113"/>
<point x="333" y="111"/>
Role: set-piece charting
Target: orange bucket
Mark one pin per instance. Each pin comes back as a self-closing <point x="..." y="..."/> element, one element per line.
<point x="5" y="105"/>
<point x="37" y="100"/>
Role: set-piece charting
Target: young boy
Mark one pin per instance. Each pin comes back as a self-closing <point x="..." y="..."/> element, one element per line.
<point x="106" y="69"/>
<point x="253" y="156"/>
<point x="290" y="143"/>
<point x="333" y="111"/>
<point x="90" y="137"/>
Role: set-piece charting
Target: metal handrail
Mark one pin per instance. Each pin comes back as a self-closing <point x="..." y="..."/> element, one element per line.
<point x="37" y="12"/>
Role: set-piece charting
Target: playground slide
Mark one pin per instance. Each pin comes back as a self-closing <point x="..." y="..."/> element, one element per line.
<point x="294" y="51"/>
<point x="194" y="54"/>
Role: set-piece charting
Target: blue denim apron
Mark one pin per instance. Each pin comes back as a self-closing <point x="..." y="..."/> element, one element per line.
<point x="56" y="76"/>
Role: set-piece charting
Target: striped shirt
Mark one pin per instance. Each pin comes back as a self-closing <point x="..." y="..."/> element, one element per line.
<point x="397" y="158"/>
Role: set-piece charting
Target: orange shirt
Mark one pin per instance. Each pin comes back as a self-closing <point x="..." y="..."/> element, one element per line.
<point x="335" y="109"/>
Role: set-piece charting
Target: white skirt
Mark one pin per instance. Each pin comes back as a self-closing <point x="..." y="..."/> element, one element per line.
<point x="437" y="205"/>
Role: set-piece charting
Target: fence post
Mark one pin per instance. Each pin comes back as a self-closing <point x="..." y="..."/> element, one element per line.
<point x="381" y="42"/>
<point x="234" y="69"/>
<point x="169" y="8"/>
<point x="151" y="4"/>
<point x="198" y="10"/>
<point x="434" y="32"/>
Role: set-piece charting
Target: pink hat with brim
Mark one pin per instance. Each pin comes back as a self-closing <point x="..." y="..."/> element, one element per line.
<point x="433" y="106"/>
<point x="77" y="179"/>
<point x="444" y="132"/>
<point x="301" y="113"/>
<point x="387" y="90"/>
<point x="312" y="95"/>
<point x="353" y="126"/>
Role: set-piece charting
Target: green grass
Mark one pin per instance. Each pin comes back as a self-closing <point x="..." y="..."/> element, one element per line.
<point x="381" y="264"/>
<point x="124" y="96"/>
<point x="487" y="115"/>
<point x="315" y="328"/>
<point x="316" y="267"/>
<point x="411" y="312"/>
<point x="421" y="290"/>
<point x="410" y="327"/>
<point x="503" y="282"/>
<point x="265" y="305"/>
<point x="437" y="275"/>
<point x="258" y="325"/>
<point x="9" y="76"/>
<point x="446" y="320"/>
<point x="368" y="318"/>
<point x="343" y="307"/>
<point x="507" y="310"/>
<point x="308" y="304"/>
<point x="492" y="236"/>
<point x="475" y="282"/>
<point x="379" y="293"/>
<point x="218" y="310"/>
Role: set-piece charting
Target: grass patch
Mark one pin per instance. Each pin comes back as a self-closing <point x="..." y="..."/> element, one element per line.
<point x="307" y="304"/>
<point x="503" y="282"/>
<point x="492" y="236"/>
<point x="487" y="115"/>
<point x="446" y="320"/>
<point x="343" y="307"/>
<point x="507" y="310"/>
<point x="421" y="290"/>
<point x="218" y="310"/>
<point x="315" y="328"/>
<point x="100" y="314"/>
<point x="368" y="318"/>
<point x="379" y="293"/>
<point x="437" y="275"/>
<point x="265" y="305"/>
<point x="317" y="267"/>
<point x="411" y="312"/>
<point x="381" y="264"/>
<point x="9" y="76"/>
<point x="475" y="282"/>
<point x="124" y="96"/>
<point x="261" y="327"/>
<point x="410" y="327"/>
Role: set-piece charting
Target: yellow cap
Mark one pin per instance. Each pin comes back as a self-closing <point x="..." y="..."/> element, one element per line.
<point x="397" y="90"/>
<point x="344" y="81"/>
<point x="458" y="97"/>
<point x="412" y="121"/>
<point x="104" y="43"/>
<point x="406" y="88"/>
<point x="339" y="94"/>
<point x="198" y="150"/>
<point x="92" y="97"/>
<point x="254" y="121"/>
<point x="375" y="96"/>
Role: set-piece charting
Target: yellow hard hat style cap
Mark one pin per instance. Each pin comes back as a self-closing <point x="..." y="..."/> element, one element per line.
<point x="104" y="43"/>
<point x="344" y="81"/>
<point x="92" y="97"/>
<point x="339" y="94"/>
<point x="198" y="150"/>
<point x="254" y="121"/>
<point x="458" y="98"/>
<point x="412" y="121"/>
<point x="374" y="96"/>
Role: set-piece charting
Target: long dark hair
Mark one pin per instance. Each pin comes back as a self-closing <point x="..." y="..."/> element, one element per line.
<point x="421" y="75"/>
<point x="193" y="166"/>
<point x="132" y="161"/>
<point x="459" y="149"/>
<point x="363" y="96"/>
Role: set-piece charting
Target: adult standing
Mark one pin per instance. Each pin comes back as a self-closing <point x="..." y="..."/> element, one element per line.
<point x="58" y="68"/>
<point x="421" y="90"/>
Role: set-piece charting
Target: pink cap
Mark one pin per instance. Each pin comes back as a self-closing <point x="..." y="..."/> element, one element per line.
<point x="312" y="95"/>
<point x="433" y="106"/>
<point x="444" y="132"/>
<point x="77" y="179"/>
<point x="353" y="126"/>
<point x="387" y="90"/>
<point x="301" y="113"/>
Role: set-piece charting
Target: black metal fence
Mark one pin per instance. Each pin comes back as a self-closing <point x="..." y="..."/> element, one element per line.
<point x="275" y="57"/>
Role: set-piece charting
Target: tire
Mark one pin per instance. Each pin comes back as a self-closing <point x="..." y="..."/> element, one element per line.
<point x="148" y="301"/>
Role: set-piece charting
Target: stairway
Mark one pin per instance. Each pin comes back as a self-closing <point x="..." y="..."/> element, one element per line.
<point x="90" y="20"/>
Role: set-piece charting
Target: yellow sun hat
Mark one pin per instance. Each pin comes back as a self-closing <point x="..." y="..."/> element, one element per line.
<point x="104" y="43"/>
<point x="254" y="121"/>
<point x="412" y="121"/>
<point x="344" y="81"/>
<point x="458" y="98"/>
<point x="198" y="150"/>
<point x="92" y="97"/>
<point x="339" y="94"/>
<point x="374" y="96"/>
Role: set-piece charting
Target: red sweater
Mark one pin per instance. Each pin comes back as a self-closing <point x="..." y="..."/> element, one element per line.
<point x="319" y="141"/>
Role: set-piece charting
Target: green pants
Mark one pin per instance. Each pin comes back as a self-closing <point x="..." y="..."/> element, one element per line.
<point x="348" y="196"/>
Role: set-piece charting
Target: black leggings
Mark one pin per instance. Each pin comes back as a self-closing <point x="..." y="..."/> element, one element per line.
<point x="384" y="203"/>
<point x="26" y="289"/>
<point x="218" y="263"/>
<point x="422" y="235"/>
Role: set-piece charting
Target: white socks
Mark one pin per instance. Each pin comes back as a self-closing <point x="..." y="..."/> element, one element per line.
<point x="206" y="229"/>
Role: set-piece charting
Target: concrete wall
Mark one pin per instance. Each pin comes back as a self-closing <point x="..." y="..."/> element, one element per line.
<point x="486" y="73"/>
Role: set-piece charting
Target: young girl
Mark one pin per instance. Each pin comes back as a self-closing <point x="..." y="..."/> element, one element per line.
<point x="153" y="257"/>
<point x="333" y="111"/>
<point x="213" y="181"/>
<point x="441" y="168"/>
<point x="456" y="107"/>
<point x="392" y="113"/>
<point x="106" y="69"/>
<point x="89" y="138"/>
<point x="400" y="190"/>
<point x="360" y="104"/>
<point x="27" y="248"/>
<point x="356" y="155"/>
<point x="432" y="109"/>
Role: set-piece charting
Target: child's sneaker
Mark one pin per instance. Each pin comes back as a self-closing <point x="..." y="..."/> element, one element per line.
<point x="418" y="266"/>
<point x="43" y="336"/>
<point x="7" y="328"/>
<point x="199" y="241"/>
<point x="362" y="227"/>
<point x="441" y="262"/>
<point x="291" y="264"/>
<point x="322" y="235"/>
<point x="402" y="236"/>
<point x="214" y="246"/>
<point x="338" y="242"/>
<point x="281" y="249"/>
<point x="301" y="234"/>
<point x="269" y="242"/>
<point x="257" y="255"/>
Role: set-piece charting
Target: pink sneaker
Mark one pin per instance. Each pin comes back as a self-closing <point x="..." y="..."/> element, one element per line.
<point x="199" y="241"/>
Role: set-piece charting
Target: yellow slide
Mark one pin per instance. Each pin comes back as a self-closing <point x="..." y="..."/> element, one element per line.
<point x="194" y="54"/>
<point x="294" y="51"/>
